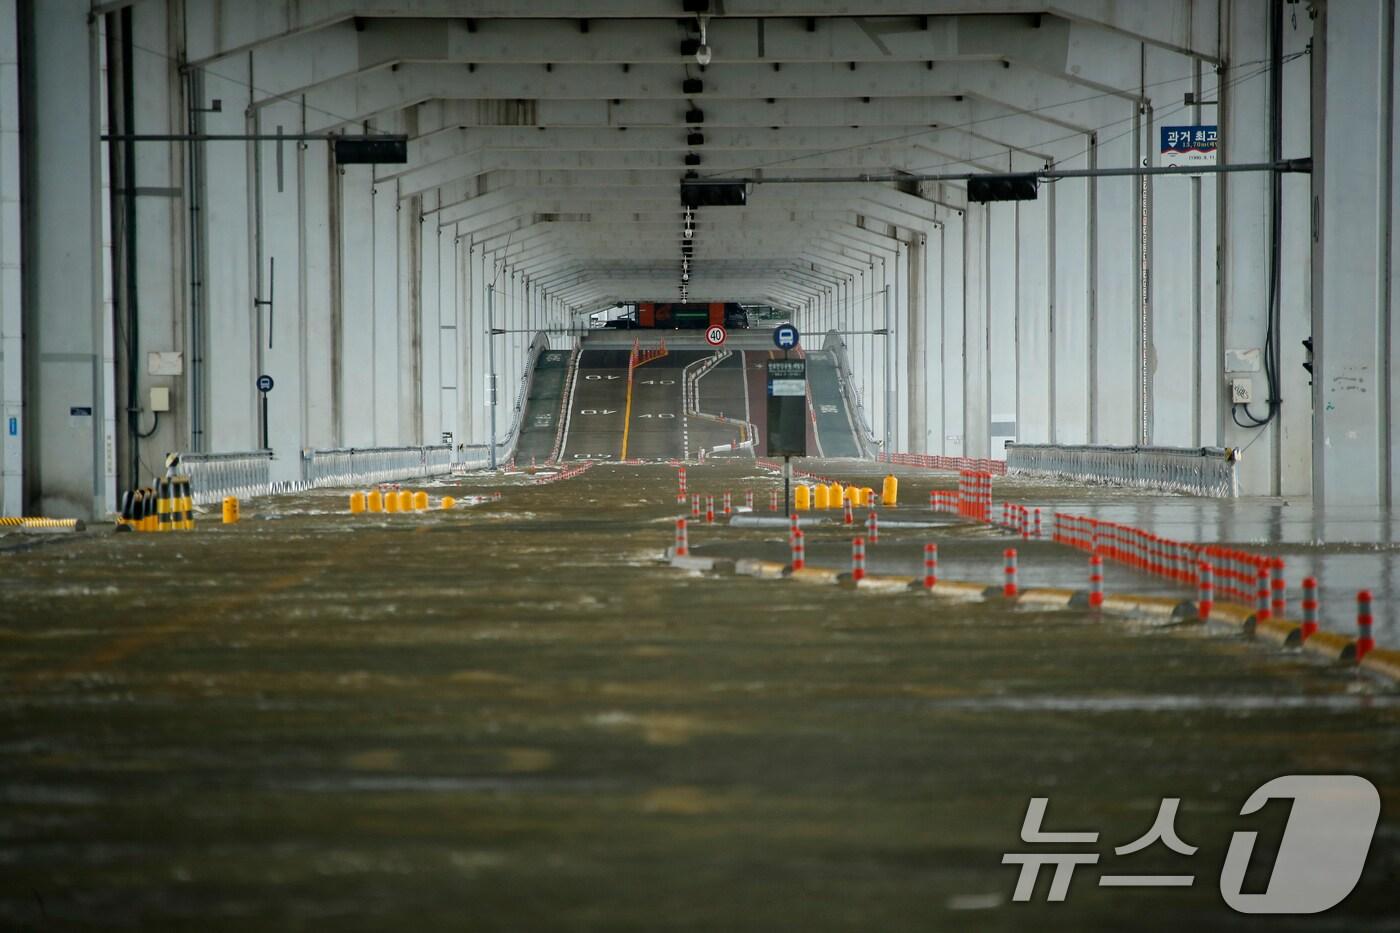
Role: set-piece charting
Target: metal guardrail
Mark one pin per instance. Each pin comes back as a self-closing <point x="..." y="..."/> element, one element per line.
<point x="855" y="405"/>
<point x="247" y="474"/>
<point x="1200" y="471"/>
<point x="938" y="462"/>
<point x="213" y="476"/>
<point x="346" y="466"/>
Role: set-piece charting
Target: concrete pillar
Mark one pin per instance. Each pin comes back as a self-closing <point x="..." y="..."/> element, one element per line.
<point x="359" y="344"/>
<point x="230" y="345"/>
<point x="933" y="342"/>
<point x="434" y="335"/>
<point x="953" y="360"/>
<point x="1354" y="338"/>
<point x="320" y="290"/>
<point x="977" y="275"/>
<point x="1002" y="374"/>
<point x="1114" y="401"/>
<point x="12" y="421"/>
<point x="153" y="224"/>
<point x="410" y="313"/>
<point x="1034" y="379"/>
<point x="916" y="345"/>
<point x="69" y="453"/>
<point x="280" y="277"/>
<point x="1072" y="248"/>
<point x="384" y="263"/>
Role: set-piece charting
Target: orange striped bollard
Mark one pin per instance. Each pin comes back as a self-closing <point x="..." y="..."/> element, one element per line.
<point x="850" y="515"/>
<point x="709" y="510"/>
<point x="930" y="566"/>
<point x="682" y="539"/>
<point x="1037" y="524"/>
<point x="858" y="559"/>
<point x="1365" y="644"/>
<point x="1261" y="594"/>
<point x="1205" y="590"/>
<point x="794" y="528"/>
<point x="872" y="527"/>
<point x="1095" y="582"/>
<point x="1279" y="604"/>
<point x="748" y="499"/>
<point x="695" y="506"/>
<point x="799" y="556"/>
<point x="1309" y="608"/>
<point x="1009" y="589"/>
<point x="728" y="504"/>
<point x="932" y="500"/>
<point x="773" y="500"/>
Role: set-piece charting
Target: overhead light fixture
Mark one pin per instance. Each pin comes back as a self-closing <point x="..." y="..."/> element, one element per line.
<point x="689" y="233"/>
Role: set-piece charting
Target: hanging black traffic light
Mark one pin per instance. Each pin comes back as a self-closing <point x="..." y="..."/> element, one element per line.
<point x="983" y="188"/>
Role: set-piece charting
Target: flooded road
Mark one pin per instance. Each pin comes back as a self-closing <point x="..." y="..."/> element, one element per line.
<point x="511" y="716"/>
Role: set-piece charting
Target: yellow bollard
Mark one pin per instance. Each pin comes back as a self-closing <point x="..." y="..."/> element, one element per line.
<point x="391" y="501"/>
<point x="835" y="495"/>
<point x="420" y="501"/>
<point x="152" y="519"/>
<point x="802" y="498"/>
<point x="357" y="503"/>
<point x="853" y="494"/>
<point x="405" y="501"/>
<point x="187" y="501"/>
<point x="889" y="491"/>
<point x="374" y="502"/>
<point x="230" y="510"/>
<point x="448" y="502"/>
<point x="867" y="496"/>
<point x="821" y="497"/>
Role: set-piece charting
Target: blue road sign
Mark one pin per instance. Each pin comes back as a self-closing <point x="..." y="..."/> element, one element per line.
<point x="785" y="336"/>
<point x="14" y="427"/>
<point x="264" y="383"/>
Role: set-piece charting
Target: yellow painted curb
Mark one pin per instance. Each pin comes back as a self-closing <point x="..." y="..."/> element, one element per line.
<point x="1330" y="644"/>
<point x="959" y="589"/>
<point x="1160" y="606"/>
<point x="813" y="575"/>
<point x="1047" y="597"/>
<point x="1382" y="661"/>
<point x="1231" y="612"/>
<point x="1280" y="631"/>
<point x="885" y="584"/>
<point x="763" y="569"/>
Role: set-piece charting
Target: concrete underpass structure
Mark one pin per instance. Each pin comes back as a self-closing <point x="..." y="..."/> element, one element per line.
<point x="450" y="333"/>
<point x="160" y="233"/>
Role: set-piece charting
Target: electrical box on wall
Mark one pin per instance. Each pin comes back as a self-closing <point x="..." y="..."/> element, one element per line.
<point x="160" y="398"/>
<point x="1241" y="391"/>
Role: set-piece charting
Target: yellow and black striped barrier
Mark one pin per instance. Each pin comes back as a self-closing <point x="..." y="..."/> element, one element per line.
<point x="31" y="523"/>
<point x="168" y="505"/>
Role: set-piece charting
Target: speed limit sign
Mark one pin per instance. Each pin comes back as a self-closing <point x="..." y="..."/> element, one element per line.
<point x="715" y="335"/>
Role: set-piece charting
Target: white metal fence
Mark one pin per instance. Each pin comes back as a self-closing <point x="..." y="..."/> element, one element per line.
<point x="247" y="474"/>
<point x="1200" y="471"/>
<point x="213" y="476"/>
<point x="351" y="465"/>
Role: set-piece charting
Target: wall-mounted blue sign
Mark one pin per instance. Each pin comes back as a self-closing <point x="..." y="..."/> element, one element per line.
<point x="1189" y="145"/>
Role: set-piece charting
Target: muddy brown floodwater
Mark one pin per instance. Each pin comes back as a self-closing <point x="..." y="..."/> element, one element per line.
<point x="512" y="717"/>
